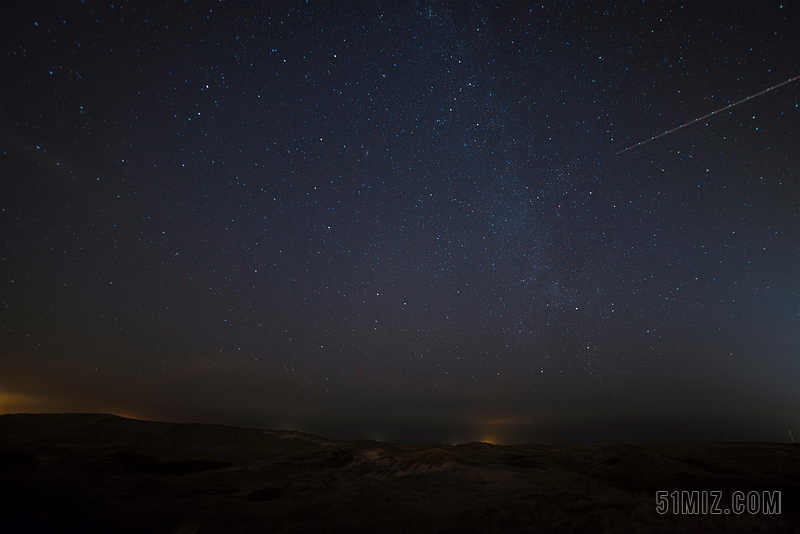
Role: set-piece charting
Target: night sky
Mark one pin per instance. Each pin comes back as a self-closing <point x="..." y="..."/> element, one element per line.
<point x="404" y="221"/>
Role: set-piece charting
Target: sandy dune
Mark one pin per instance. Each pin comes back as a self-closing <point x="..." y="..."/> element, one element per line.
<point x="102" y="473"/>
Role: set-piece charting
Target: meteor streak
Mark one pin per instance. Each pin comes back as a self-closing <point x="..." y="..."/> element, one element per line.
<point x="707" y="116"/>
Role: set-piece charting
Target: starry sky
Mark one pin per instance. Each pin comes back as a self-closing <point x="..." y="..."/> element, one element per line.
<point x="404" y="220"/>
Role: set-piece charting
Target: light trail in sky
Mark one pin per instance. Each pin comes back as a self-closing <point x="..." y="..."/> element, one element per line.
<point x="709" y="115"/>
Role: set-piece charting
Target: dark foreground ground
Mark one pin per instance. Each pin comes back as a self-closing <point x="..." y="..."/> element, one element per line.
<point x="102" y="473"/>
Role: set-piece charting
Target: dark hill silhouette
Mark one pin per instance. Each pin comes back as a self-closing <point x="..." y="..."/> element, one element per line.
<point x="103" y="473"/>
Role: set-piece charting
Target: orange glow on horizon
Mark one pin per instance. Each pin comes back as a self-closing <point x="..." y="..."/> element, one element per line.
<point x="11" y="403"/>
<point x="19" y="403"/>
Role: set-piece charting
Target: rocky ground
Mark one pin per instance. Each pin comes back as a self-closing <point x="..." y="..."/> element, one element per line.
<point x="102" y="473"/>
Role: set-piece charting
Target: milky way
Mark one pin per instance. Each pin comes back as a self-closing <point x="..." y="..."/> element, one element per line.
<point x="292" y="214"/>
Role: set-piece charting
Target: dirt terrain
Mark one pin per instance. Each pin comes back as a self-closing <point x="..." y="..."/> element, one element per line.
<point x="102" y="473"/>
